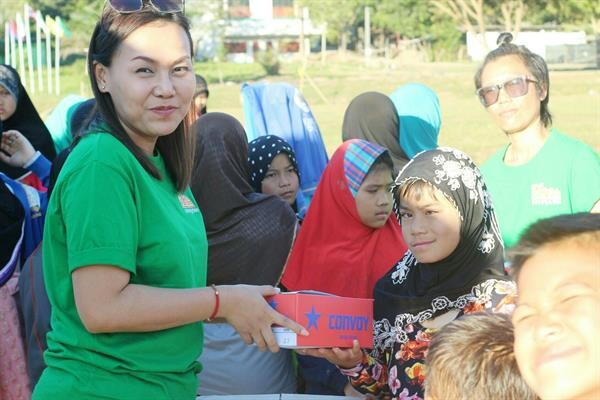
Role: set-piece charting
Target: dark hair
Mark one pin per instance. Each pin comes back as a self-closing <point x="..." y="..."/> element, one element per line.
<point x="415" y="187"/>
<point x="112" y="29"/>
<point x="473" y="358"/>
<point x="201" y="86"/>
<point x="384" y="161"/>
<point x="534" y="63"/>
<point x="582" y="229"/>
<point x="84" y="115"/>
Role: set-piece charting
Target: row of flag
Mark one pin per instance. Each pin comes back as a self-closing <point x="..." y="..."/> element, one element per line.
<point x="19" y="49"/>
<point x="47" y="24"/>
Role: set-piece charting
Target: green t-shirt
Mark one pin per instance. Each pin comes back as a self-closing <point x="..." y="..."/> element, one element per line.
<point x="106" y="209"/>
<point x="562" y="178"/>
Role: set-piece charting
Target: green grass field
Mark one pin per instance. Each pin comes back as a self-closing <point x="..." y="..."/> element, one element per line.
<point x="574" y="96"/>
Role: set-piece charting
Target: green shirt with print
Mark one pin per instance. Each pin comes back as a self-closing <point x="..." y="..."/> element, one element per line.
<point x="107" y="210"/>
<point x="562" y="178"/>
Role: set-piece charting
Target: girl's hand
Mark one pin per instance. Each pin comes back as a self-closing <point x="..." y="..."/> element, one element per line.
<point x="245" y="308"/>
<point x="16" y="149"/>
<point x="343" y="358"/>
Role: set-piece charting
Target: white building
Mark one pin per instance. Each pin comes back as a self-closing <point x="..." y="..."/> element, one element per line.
<point x="540" y="42"/>
<point x="253" y="25"/>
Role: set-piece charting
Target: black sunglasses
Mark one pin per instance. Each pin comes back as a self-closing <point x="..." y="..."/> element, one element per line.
<point x="515" y="87"/>
<point x="164" y="6"/>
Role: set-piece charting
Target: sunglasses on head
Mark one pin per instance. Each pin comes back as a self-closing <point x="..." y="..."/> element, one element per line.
<point x="515" y="87"/>
<point x="164" y="6"/>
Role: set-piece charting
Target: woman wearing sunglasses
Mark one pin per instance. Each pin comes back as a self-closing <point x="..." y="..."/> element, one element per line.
<point x="125" y="249"/>
<point x="541" y="172"/>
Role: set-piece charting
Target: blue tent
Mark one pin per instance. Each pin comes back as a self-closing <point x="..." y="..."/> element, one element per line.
<point x="280" y="109"/>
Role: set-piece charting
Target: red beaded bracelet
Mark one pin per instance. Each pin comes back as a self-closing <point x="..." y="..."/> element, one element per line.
<point x="217" y="301"/>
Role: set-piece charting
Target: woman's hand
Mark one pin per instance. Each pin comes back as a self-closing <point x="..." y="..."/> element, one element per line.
<point x="16" y="149"/>
<point x="245" y="308"/>
<point x="343" y="358"/>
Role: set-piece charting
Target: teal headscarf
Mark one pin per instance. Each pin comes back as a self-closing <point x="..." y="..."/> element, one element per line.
<point x="58" y="122"/>
<point x="420" y="117"/>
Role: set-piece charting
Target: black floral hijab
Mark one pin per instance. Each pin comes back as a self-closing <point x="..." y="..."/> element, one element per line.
<point x="410" y="286"/>
<point x="25" y="120"/>
<point x="261" y="152"/>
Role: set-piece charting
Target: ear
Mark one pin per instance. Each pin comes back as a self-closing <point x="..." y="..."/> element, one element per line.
<point x="542" y="92"/>
<point x="101" y="73"/>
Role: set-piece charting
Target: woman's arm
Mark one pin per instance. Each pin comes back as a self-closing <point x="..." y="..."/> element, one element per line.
<point x="107" y="302"/>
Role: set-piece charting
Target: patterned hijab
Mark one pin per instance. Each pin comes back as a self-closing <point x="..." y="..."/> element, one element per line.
<point x="371" y="116"/>
<point x="335" y="252"/>
<point x="249" y="234"/>
<point x="25" y="120"/>
<point x="411" y="287"/>
<point x="262" y="151"/>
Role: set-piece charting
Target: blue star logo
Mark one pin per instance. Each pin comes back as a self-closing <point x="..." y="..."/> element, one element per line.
<point x="312" y="316"/>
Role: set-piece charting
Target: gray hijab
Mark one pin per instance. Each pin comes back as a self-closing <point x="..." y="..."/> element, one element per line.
<point x="371" y="116"/>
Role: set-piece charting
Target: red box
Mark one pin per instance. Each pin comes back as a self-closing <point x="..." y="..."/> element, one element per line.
<point x="332" y="321"/>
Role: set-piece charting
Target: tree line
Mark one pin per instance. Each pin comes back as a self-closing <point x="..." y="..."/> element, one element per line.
<point x="436" y="25"/>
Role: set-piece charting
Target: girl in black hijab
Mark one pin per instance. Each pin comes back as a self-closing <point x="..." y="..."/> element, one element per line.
<point x="17" y="112"/>
<point x="249" y="233"/>
<point x="249" y="238"/>
<point x="274" y="169"/>
<point x="454" y="266"/>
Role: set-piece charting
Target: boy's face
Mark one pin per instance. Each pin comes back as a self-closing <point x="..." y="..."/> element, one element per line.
<point x="374" y="199"/>
<point x="557" y="322"/>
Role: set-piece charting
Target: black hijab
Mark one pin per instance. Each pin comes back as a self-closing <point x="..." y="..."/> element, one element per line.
<point x="410" y="286"/>
<point x="262" y="151"/>
<point x="249" y="234"/>
<point x="25" y="120"/>
<point x="371" y="116"/>
<point x="11" y="225"/>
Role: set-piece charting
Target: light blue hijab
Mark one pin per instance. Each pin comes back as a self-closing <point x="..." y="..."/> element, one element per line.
<point x="420" y="117"/>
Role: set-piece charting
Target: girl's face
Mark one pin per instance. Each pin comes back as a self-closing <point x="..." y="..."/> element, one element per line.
<point x="151" y="85"/>
<point x="430" y="225"/>
<point x="8" y="104"/>
<point x="512" y="114"/>
<point x="374" y="199"/>
<point x="281" y="179"/>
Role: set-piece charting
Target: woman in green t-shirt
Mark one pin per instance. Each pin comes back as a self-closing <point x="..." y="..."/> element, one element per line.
<point x="541" y="172"/>
<point x="125" y="247"/>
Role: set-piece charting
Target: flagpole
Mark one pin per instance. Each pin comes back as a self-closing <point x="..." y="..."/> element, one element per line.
<point x="48" y="32"/>
<point x="20" y="29"/>
<point x="38" y="49"/>
<point x="13" y="47"/>
<point x="57" y="54"/>
<point x="6" y="43"/>
<point x="28" y="43"/>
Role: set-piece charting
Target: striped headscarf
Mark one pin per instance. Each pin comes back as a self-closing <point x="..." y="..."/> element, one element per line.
<point x="335" y="252"/>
